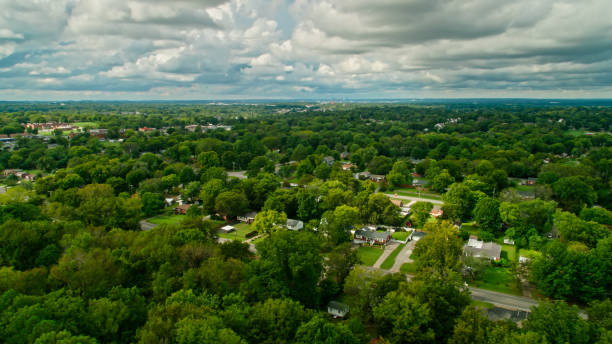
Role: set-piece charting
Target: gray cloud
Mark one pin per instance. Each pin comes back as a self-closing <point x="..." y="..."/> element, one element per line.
<point x="190" y="49"/>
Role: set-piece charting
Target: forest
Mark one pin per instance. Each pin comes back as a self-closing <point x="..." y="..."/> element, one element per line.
<point x="174" y="222"/>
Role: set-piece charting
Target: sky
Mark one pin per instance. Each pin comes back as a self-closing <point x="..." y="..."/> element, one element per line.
<point x="304" y="49"/>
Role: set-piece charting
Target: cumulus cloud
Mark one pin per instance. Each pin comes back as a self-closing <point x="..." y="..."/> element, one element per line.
<point x="189" y="49"/>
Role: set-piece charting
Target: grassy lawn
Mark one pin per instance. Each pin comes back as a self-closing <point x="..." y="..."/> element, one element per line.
<point x="470" y="228"/>
<point x="412" y="193"/>
<point x="86" y="124"/>
<point x="400" y="235"/>
<point x="166" y="219"/>
<point x="368" y="254"/>
<point x="497" y="279"/>
<point x="388" y="263"/>
<point x="508" y="252"/>
<point x="258" y="240"/>
<point x="242" y="229"/>
<point x="408" y="268"/>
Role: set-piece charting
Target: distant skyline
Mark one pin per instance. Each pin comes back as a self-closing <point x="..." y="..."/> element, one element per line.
<point x="304" y="49"/>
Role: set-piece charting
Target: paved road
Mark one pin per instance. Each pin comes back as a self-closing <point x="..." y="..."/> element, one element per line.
<point x="416" y="199"/>
<point x="146" y="225"/>
<point x="503" y="300"/>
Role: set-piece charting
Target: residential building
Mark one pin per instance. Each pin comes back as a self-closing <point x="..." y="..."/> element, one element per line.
<point x="248" y="217"/>
<point x="294" y="225"/>
<point x="480" y="249"/>
<point x="363" y="236"/>
<point x="329" y="160"/>
<point x="182" y="209"/>
<point x="337" y="309"/>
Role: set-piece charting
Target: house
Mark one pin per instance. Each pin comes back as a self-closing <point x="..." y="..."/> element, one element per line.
<point x="508" y="241"/>
<point x="532" y="181"/>
<point x="337" y="309"/>
<point x="192" y="127"/>
<point x="329" y="160"/>
<point x="480" y="249"/>
<point x="372" y="237"/>
<point x="436" y="211"/>
<point x="362" y="175"/>
<point x="228" y="229"/>
<point x="377" y="178"/>
<point x="398" y="202"/>
<point x="182" y="209"/>
<point x="348" y="166"/>
<point x="173" y="199"/>
<point x="344" y="155"/>
<point x="294" y="225"/>
<point x="248" y="217"/>
<point x="145" y="129"/>
<point x="419" y="182"/>
<point x="99" y="133"/>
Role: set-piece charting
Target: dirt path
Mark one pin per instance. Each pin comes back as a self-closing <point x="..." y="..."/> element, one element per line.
<point x="388" y="249"/>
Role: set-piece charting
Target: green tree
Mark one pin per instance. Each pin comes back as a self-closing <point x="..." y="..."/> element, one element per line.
<point x="230" y="204"/>
<point x="403" y="319"/>
<point x="559" y="323"/>
<point x="573" y="194"/>
<point x="439" y="252"/>
<point x="461" y="198"/>
<point x="319" y="330"/>
<point x="270" y="221"/>
<point x="487" y="215"/>
<point x="442" y="181"/>
<point x="420" y="213"/>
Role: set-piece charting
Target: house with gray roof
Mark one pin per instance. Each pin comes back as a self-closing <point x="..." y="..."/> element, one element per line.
<point x="480" y="249"/>
<point x="294" y="225"/>
<point x="337" y="309"/>
<point x="363" y="236"/>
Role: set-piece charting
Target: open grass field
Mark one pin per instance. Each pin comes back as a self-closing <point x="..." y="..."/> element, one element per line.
<point x="166" y="219"/>
<point x="408" y="268"/>
<point x="400" y="235"/>
<point x="498" y="279"/>
<point x="242" y="229"/>
<point x="369" y="254"/>
<point x="388" y="263"/>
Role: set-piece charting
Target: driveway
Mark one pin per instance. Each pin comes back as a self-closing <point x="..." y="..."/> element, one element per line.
<point x="403" y="256"/>
<point x="388" y="250"/>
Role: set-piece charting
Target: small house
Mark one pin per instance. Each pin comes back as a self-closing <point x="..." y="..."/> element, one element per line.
<point x="329" y="160"/>
<point x="347" y="166"/>
<point x="436" y="211"/>
<point x="182" y="209"/>
<point x="362" y="175"/>
<point x="508" y="241"/>
<point x="363" y="236"/>
<point x="398" y="202"/>
<point x="480" y="249"/>
<point x="228" y="229"/>
<point x="294" y="225"/>
<point x="337" y="309"/>
<point x="247" y="218"/>
<point x="344" y="155"/>
<point x="377" y="178"/>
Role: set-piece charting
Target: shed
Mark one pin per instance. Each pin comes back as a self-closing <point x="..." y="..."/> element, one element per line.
<point x="337" y="309"/>
<point x="294" y="225"/>
<point x="228" y="228"/>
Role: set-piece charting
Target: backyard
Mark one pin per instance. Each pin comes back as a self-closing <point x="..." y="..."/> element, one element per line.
<point x="413" y="193"/>
<point x="369" y="254"/>
<point x="498" y="279"/>
<point x="242" y="229"/>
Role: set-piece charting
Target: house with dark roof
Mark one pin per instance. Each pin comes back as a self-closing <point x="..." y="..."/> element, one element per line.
<point x="364" y="236"/>
<point x="182" y="209"/>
